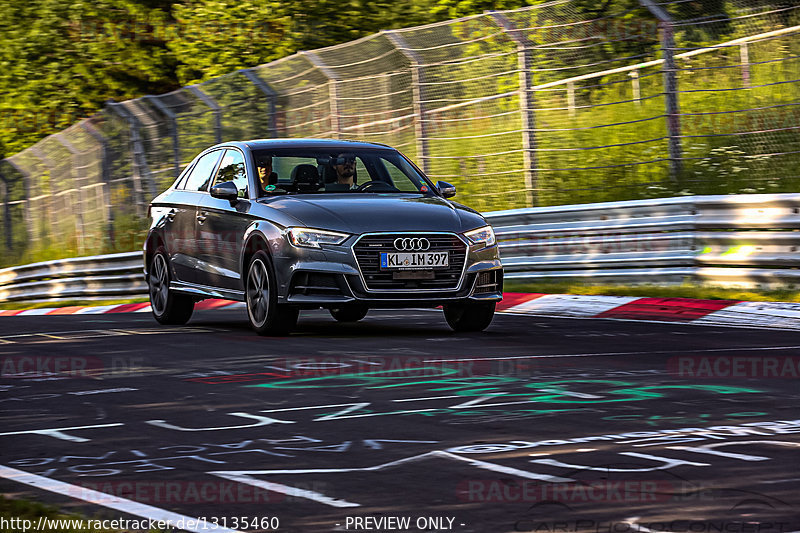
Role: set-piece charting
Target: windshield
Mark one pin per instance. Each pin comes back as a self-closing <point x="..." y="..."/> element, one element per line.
<point x="314" y="171"/>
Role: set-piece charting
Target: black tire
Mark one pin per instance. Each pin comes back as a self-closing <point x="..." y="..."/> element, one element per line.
<point x="266" y="317"/>
<point x="349" y="312"/>
<point x="168" y="307"/>
<point x="469" y="316"/>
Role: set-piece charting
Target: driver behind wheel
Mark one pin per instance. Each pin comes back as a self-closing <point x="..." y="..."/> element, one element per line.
<point x="345" y="166"/>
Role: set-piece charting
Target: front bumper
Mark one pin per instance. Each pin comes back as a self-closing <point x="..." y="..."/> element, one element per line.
<point x="331" y="276"/>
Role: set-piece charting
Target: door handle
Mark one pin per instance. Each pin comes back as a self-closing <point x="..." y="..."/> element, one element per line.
<point x="201" y="217"/>
<point x="171" y="215"/>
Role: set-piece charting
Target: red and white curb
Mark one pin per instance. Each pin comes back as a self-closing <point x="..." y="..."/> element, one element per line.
<point x="119" y="308"/>
<point x="684" y="310"/>
<point x="781" y="315"/>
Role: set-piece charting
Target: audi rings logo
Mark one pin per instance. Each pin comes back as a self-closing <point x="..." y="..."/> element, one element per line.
<point x="412" y="244"/>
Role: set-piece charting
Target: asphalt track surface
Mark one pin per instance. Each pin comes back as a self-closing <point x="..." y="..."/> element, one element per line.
<point x="537" y="424"/>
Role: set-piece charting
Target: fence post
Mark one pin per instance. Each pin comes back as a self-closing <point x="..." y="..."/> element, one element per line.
<point x="417" y="95"/>
<point x="105" y="175"/>
<point x="637" y="89"/>
<point x="333" y="87"/>
<point x="26" y="215"/>
<point x="526" y="104"/>
<point x="670" y="87"/>
<point x="173" y="126"/>
<point x="744" y="55"/>
<point x="7" y="214"/>
<point x="49" y="203"/>
<point x="141" y="173"/>
<point x="214" y="107"/>
<point x="79" y="223"/>
<point x="272" y="99"/>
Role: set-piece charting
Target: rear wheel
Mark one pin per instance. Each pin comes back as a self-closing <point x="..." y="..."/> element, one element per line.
<point x="349" y="312"/>
<point x="469" y="316"/>
<point x="167" y="306"/>
<point x="265" y="315"/>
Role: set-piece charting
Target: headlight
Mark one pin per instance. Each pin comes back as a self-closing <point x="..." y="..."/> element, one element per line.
<point x="312" y="238"/>
<point x="484" y="235"/>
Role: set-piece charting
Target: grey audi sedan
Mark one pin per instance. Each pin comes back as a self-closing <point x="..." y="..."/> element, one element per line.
<point x="285" y="225"/>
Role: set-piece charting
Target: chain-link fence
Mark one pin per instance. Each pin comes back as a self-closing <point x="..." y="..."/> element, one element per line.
<point x="545" y="105"/>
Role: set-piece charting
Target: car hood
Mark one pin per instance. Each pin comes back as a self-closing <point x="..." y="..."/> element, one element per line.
<point x="369" y="212"/>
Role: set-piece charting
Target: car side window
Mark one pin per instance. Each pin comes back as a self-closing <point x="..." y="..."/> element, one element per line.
<point x="232" y="169"/>
<point x="201" y="173"/>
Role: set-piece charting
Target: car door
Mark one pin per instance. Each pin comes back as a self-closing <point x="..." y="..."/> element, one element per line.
<point x="221" y="226"/>
<point x="181" y="235"/>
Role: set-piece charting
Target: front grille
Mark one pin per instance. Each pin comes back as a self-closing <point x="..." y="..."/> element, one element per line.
<point x="369" y="248"/>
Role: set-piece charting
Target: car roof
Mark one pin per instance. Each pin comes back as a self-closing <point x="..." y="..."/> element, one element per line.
<point x="324" y="144"/>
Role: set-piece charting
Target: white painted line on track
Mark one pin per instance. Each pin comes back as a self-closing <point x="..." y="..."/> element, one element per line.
<point x="286" y="489"/>
<point x="696" y="322"/>
<point x="58" y="433"/>
<point x="105" y="500"/>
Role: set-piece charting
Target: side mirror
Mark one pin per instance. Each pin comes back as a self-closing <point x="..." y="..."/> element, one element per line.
<point x="226" y="190"/>
<point x="447" y="190"/>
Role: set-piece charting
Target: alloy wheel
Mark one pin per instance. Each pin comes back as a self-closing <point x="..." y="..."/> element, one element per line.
<point x="258" y="293"/>
<point x="159" y="284"/>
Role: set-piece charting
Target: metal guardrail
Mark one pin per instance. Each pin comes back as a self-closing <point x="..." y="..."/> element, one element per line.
<point x="85" y="278"/>
<point x="738" y="240"/>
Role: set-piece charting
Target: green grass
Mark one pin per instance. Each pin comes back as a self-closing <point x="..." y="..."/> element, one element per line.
<point x="656" y="291"/>
<point x="7" y="306"/>
<point x="27" y="510"/>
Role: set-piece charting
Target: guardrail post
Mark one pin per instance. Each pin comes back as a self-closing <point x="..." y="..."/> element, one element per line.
<point x="670" y="87"/>
<point x="333" y="88"/>
<point x="417" y="95"/>
<point x="173" y="127"/>
<point x="79" y="223"/>
<point x="105" y="175"/>
<point x="272" y="99"/>
<point x="141" y="173"/>
<point x="207" y="100"/>
<point x="526" y="105"/>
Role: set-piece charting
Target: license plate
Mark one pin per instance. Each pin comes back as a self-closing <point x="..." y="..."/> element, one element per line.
<point x="414" y="260"/>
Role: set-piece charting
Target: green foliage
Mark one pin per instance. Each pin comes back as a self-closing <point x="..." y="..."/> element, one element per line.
<point x="60" y="61"/>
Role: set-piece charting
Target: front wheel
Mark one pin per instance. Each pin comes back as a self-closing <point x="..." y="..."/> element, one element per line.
<point x="349" y="312"/>
<point x="469" y="316"/>
<point x="265" y="315"/>
<point x="167" y="306"/>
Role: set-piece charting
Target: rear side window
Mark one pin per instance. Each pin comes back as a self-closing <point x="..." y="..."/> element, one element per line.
<point x="201" y="173"/>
